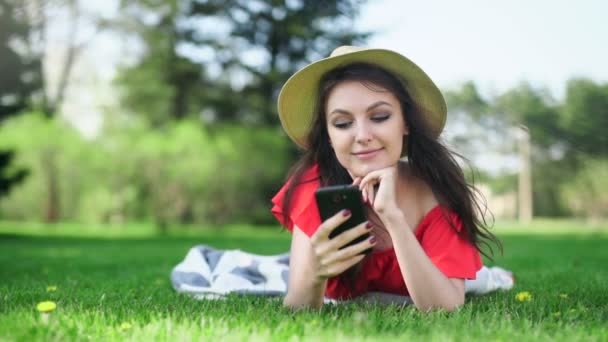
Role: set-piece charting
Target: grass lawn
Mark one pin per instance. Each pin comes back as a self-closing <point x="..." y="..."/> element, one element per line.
<point x="117" y="287"/>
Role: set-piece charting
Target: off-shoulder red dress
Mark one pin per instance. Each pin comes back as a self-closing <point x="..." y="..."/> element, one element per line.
<point x="453" y="256"/>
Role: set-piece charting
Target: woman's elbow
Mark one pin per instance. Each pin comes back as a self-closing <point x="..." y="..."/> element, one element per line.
<point x="448" y="306"/>
<point x="453" y="306"/>
<point x="295" y="305"/>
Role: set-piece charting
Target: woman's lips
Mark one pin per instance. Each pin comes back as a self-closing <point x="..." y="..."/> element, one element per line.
<point x="367" y="154"/>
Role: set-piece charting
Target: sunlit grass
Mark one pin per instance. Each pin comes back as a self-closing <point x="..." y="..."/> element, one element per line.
<point x="552" y="226"/>
<point x="117" y="287"/>
<point x="139" y="230"/>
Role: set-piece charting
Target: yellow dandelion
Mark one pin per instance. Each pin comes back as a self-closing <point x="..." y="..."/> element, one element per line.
<point x="563" y="296"/>
<point x="125" y="326"/>
<point x="524" y="296"/>
<point x="46" y="306"/>
<point x="51" y="288"/>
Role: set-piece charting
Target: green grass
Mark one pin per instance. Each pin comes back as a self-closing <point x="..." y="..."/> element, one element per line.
<point x="103" y="282"/>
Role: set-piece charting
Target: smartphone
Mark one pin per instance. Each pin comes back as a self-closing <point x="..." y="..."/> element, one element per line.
<point x="333" y="199"/>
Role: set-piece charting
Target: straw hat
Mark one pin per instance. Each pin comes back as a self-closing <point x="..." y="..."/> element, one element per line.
<point x="298" y="97"/>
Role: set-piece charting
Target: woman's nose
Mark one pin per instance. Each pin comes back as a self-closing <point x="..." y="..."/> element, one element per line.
<point x="363" y="133"/>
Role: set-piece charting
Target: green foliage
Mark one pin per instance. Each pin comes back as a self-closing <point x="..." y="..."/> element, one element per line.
<point x="225" y="60"/>
<point x="563" y="136"/>
<point x="20" y="78"/>
<point x="468" y="100"/>
<point x="585" y="118"/>
<point x="502" y="183"/>
<point x="21" y="72"/>
<point x="252" y="165"/>
<point x="9" y="175"/>
<point x="547" y="175"/>
<point x="53" y="152"/>
<point x="183" y="173"/>
<point x="533" y="108"/>
<point x="188" y="174"/>
<point x="587" y="192"/>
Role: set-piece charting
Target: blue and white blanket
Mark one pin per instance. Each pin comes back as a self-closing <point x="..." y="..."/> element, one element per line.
<point x="209" y="273"/>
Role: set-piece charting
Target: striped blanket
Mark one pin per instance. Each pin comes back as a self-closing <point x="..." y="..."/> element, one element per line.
<point x="209" y="273"/>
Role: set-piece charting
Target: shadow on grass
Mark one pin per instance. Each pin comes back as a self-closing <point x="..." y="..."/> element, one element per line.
<point x="523" y="253"/>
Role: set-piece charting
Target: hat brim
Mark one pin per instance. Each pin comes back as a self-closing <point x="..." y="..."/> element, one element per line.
<point x="298" y="97"/>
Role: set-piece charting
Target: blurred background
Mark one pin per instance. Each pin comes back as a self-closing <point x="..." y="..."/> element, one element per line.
<point x="162" y="112"/>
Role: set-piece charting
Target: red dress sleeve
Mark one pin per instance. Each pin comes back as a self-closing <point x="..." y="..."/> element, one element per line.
<point x="304" y="212"/>
<point x="455" y="257"/>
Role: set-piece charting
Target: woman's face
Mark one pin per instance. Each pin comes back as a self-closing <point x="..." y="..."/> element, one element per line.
<point x="366" y="127"/>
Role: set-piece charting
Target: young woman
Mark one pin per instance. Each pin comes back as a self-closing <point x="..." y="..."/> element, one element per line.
<point x="371" y="117"/>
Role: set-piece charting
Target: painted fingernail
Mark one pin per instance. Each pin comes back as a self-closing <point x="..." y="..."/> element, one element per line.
<point x="372" y="240"/>
<point x="368" y="225"/>
<point x="345" y="212"/>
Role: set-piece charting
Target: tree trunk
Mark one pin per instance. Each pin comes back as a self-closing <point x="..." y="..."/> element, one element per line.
<point x="525" y="177"/>
<point x="49" y="165"/>
<point x="52" y="105"/>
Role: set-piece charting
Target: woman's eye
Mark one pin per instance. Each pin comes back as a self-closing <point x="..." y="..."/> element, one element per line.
<point x="342" y="124"/>
<point x="381" y="117"/>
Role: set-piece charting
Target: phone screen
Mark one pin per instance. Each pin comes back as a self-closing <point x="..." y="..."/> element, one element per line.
<point x="334" y="199"/>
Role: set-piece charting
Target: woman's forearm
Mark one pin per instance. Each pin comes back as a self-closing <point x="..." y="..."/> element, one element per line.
<point x="427" y="285"/>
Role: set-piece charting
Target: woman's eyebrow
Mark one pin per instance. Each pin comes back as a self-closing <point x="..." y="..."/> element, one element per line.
<point x="371" y="107"/>
<point x="378" y="104"/>
<point x="339" y="111"/>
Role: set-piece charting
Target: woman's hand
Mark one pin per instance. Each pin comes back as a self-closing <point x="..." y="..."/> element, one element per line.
<point x="330" y="259"/>
<point x="379" y="189"/>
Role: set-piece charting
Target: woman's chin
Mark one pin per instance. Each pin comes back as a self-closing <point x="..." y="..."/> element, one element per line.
<point x="364" y="171"/>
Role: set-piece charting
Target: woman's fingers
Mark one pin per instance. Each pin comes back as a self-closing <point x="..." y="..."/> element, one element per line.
<point x="368" y="193"/>
<point x="367" y="184"/>
<point x="329" y="225"/>
<point x="350" y="251"/>
<point x="339" y="267"/>
<point x="372" y="177"/>
<point x="349" y="235"/>
<point x="331" y="254"/>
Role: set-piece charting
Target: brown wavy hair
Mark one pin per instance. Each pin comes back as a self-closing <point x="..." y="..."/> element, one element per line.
<point x="428" y="158"/>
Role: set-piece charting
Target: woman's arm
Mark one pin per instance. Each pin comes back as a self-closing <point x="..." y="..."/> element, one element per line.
<point x="427" y="285"/>
<point x="313" y="261"/>
<point x="303" y="290"/>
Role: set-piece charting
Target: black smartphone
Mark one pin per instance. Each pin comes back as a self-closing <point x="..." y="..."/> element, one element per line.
<point x="333" y="199"/>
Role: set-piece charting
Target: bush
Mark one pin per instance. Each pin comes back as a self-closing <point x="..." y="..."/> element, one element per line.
<point x="180" y="174"/>
<point x="52" y="151"/>
<point x="587" y="193"/>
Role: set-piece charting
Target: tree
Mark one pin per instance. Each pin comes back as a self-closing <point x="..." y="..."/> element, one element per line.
<point x="533" y="111"/>
<point x="285" y="34"/>
<point x="24" y="46"/>
<point x="584" y="119"/>
<point x="161" y="85"/>
<point x="539" y="142"/>
<point x="225" y="60"/>
<point x="468" y="118"/>
<point x="20" y="79"/>
<point x="8" y="177"/>
<point x="567" y="139"/>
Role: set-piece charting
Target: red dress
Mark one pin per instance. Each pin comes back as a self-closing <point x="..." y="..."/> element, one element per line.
<point x="380" y="272"/>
